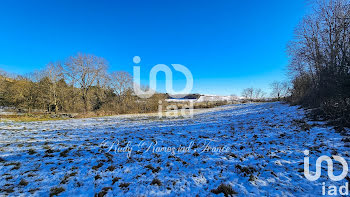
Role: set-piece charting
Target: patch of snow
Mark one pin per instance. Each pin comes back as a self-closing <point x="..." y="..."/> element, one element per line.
<point x="72" y="154"/>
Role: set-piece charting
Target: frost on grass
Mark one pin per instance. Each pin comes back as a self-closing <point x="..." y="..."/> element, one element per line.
<point x="265" y="157"/>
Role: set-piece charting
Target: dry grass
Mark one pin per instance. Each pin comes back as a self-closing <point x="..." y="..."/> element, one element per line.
<point x="34" y="117"/>
<point x="225" y="189"/>
<point x="103" y="192"/>
<point x="23" y="182"/>
<point x="29" y="118"/>
<point x="124" y="185"/>
<point x="156" y="182"/>
<point x="55" y="191"/>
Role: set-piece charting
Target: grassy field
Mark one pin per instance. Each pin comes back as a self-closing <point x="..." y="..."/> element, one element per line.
<point x="252" y="149"/>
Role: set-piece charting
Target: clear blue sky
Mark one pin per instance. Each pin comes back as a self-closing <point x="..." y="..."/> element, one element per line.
<point x="227" y="44"/>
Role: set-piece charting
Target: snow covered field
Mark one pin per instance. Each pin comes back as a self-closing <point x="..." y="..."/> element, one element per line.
<point x="257" y="149"/>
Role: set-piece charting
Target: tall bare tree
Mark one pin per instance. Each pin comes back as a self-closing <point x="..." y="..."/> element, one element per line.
<point x="120" y="81"/>
<point x="3" y="79"/>
<point x="320" y="60"/>
<point x="279" y="89"/>
<point x="84" y="72"/>
<point x="320" y="52"/>
<point x="259" y="94"/>
<point x="121" y="84"/>
<point x="248" y="93"/>
<point x="54" y="72"/>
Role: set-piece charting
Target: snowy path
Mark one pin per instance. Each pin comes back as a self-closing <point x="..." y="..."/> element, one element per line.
<point x="260" y="152"/>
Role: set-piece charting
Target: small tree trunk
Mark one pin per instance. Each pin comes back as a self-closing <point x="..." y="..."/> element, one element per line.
<point x="56" y="108"/>
<point x="85" y="104"/>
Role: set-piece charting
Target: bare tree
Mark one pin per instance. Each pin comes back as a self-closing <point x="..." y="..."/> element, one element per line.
<point x="259" y="94"/>
<point x="233" y="97"/>
<point x="54" y="72"/>
<point x="120" y="81"/>
<point x="3" y="78"/>
<point x="84" y="71"/>
<point x="276" y="90"/>
<point x="279" y="89"/>
<point x="320" y="52"/>
<point x="248" y="93"/>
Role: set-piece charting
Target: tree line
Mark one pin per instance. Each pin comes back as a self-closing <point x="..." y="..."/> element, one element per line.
<point x="320" y="61"/>
<point x="279" y="91"/>
<point x="80" y="84"/>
